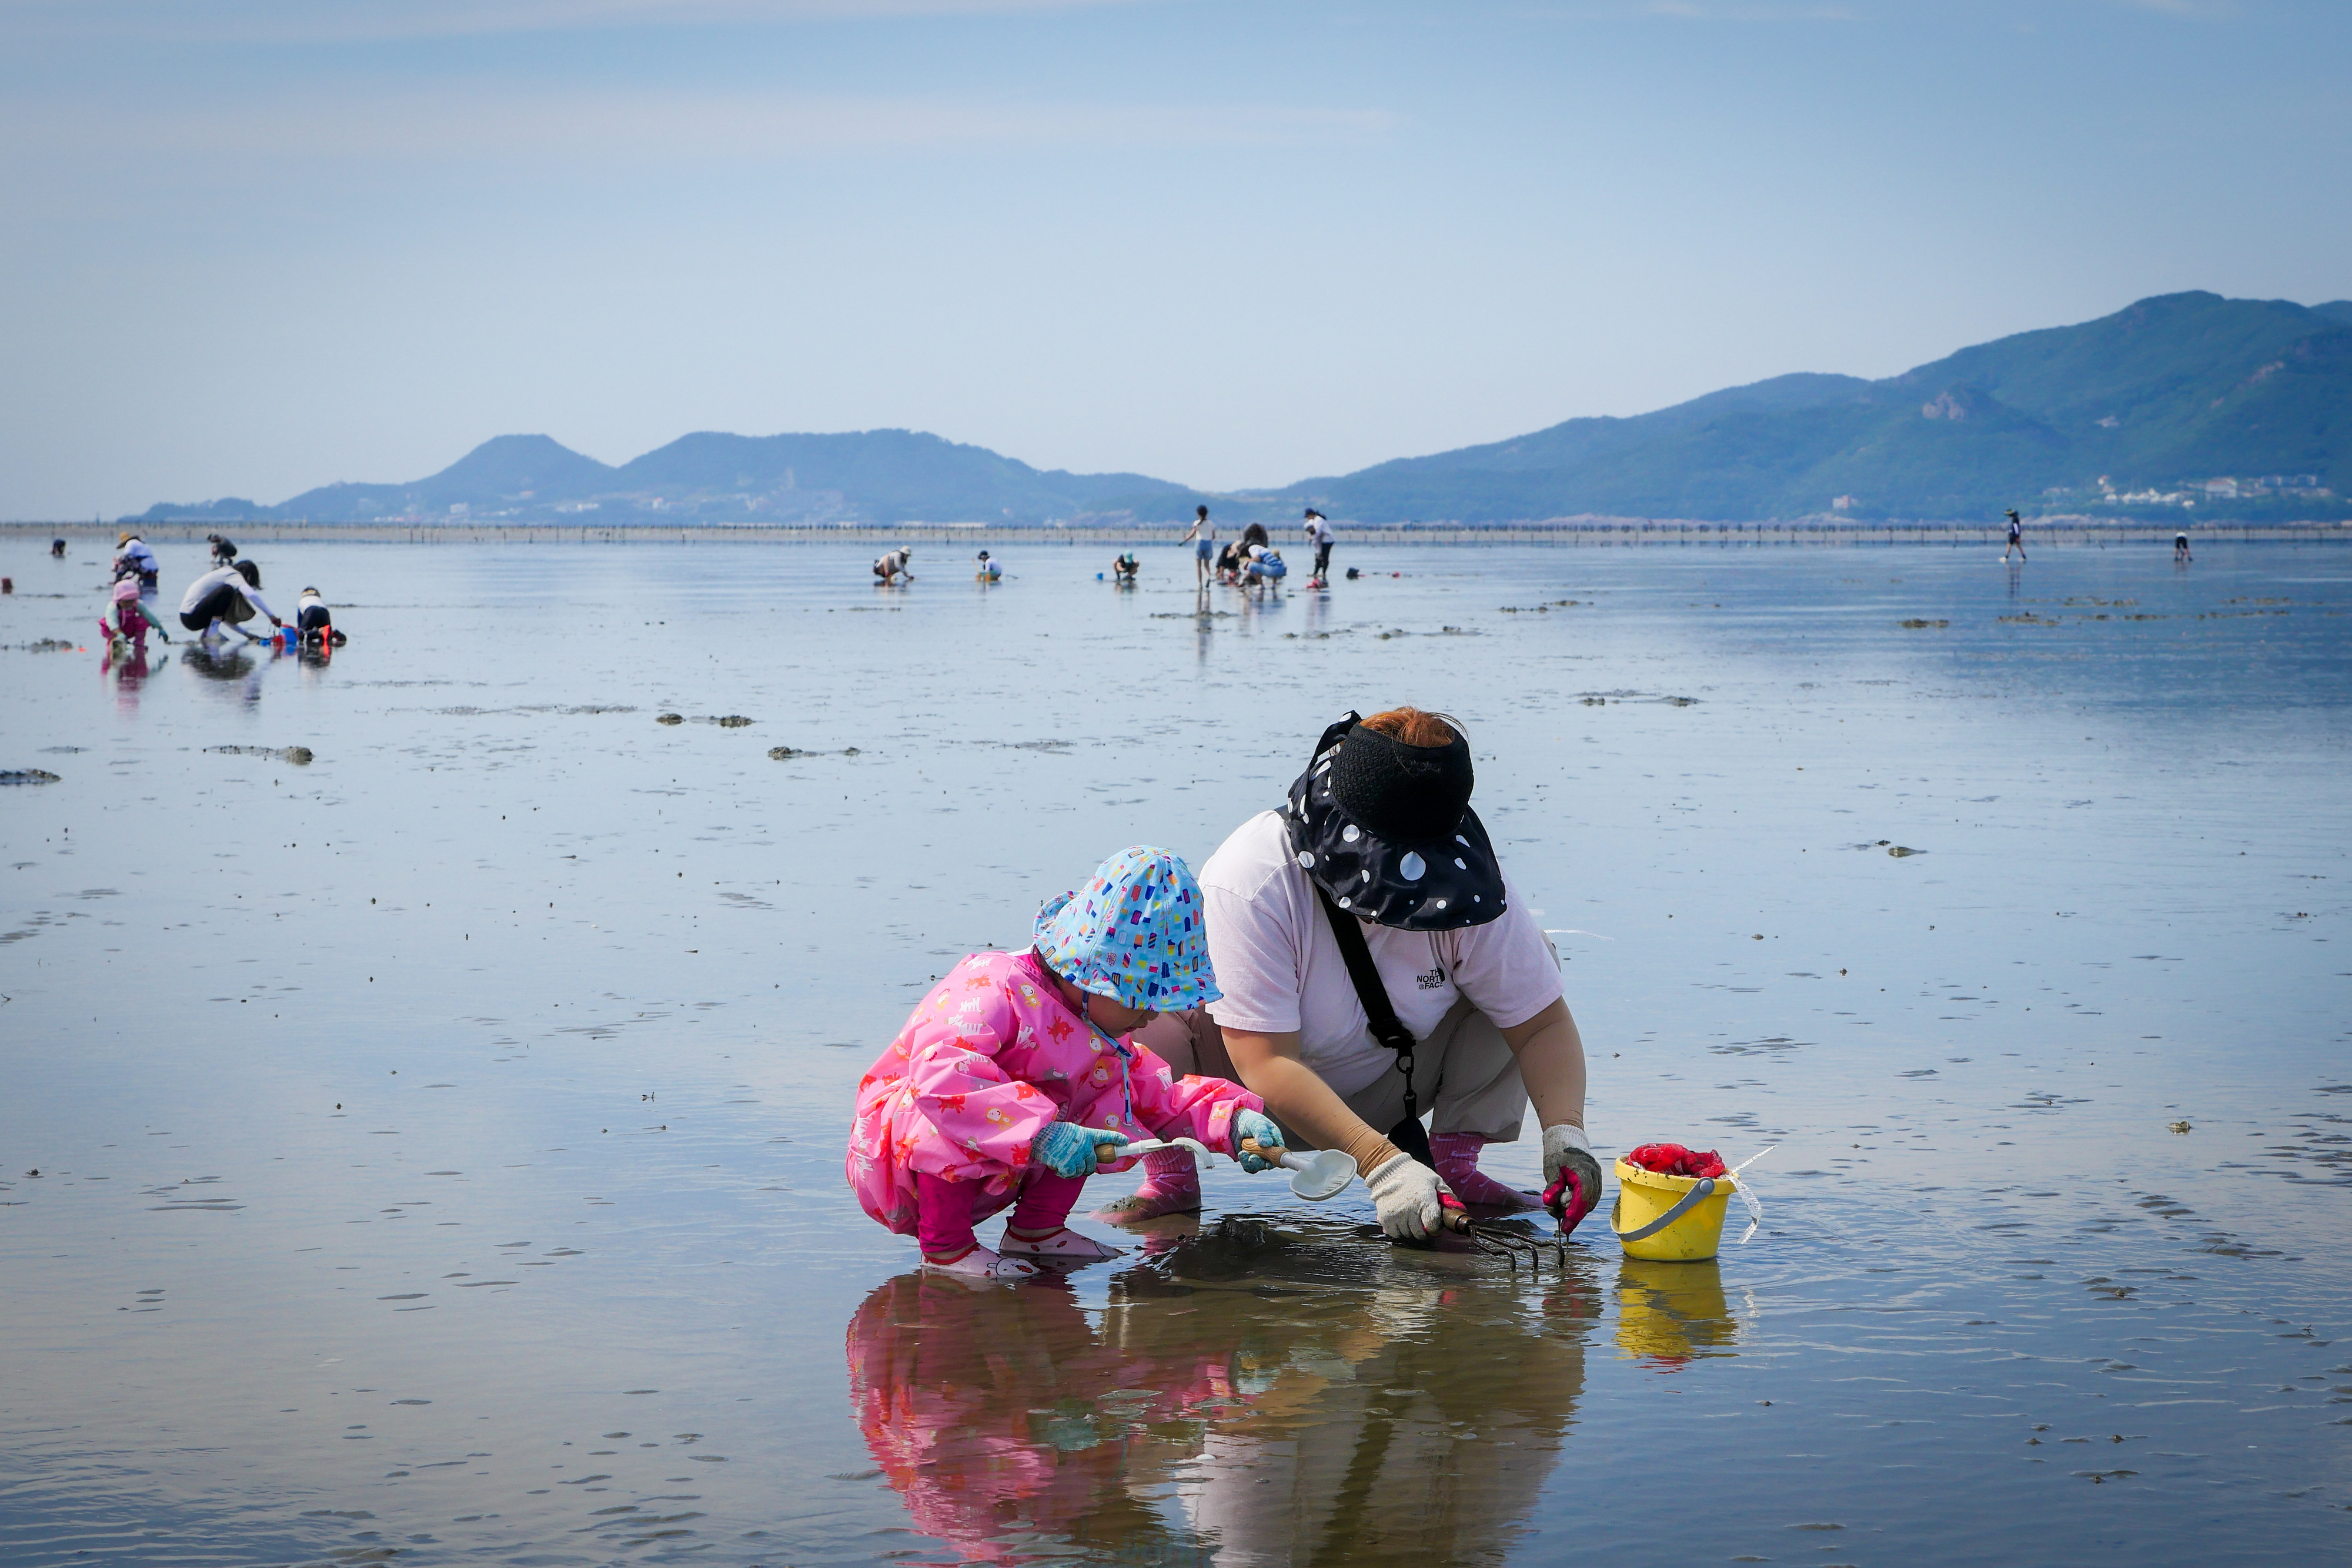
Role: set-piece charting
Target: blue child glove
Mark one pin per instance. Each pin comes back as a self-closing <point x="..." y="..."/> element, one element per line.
<point x="1069" y="1150"/>
<point x="1257" y="1126"/>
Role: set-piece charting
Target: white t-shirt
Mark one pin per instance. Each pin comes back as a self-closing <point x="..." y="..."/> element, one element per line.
<point x="1319" y="532"/>
<point x="1281" y="970"/>
<point x="223" y="577"/>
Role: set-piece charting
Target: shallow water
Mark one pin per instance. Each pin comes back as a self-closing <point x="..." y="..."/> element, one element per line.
<point x="510" y="959"/>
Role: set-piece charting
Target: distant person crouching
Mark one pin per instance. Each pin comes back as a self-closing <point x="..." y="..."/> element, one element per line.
<point x="132" y="554"/>
<point x="1264" y="566"/>
<point x="893" y="566"/>
<point x="990" y="571"/>
<point x="131" y="622"/>
<point x="315" y="621"/>
<point x="224" y="597"/>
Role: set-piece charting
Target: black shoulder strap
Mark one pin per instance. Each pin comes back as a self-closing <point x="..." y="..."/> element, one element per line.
<point x="1387" y="1027"/>
<point x="1408" y="1136"/>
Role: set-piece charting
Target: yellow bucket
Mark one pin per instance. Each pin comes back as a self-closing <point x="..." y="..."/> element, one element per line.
<point x="1667" y="1218"/>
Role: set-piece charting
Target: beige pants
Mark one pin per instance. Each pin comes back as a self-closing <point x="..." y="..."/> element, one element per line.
<point x="1464" y="1072"/>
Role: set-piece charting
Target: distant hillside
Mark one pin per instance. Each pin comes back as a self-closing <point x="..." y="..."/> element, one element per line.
<point x="2143" y="410"/>
<point x="2171" y="393"/>
<point x="867" y="476"/>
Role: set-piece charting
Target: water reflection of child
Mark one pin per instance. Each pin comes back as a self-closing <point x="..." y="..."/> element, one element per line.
<point x="1014" y="1070"/>
<point x="982" y="1410"/>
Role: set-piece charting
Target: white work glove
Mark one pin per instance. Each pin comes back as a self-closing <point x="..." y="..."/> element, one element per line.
<point x="1568" y="1152"/>
<point x="1406" y="1193"/>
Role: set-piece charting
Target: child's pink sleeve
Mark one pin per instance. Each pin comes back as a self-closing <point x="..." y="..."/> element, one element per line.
<point x="977" y="1112"/>
<point x="1189" y="1107"/>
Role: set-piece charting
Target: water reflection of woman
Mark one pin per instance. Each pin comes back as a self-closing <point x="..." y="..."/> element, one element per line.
<point x="1375" y="1412"/>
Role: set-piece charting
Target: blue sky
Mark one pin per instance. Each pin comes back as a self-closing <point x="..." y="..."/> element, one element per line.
<point x="252" y="246"/>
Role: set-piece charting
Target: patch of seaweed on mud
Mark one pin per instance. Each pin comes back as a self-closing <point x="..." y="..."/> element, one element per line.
<point x="300" y="756"/>
<point x="1602" y="699"/>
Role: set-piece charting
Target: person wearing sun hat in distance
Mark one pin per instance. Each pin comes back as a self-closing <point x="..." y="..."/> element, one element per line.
<point x="1378" y="832"/>
<point x="1010" y="1073"/>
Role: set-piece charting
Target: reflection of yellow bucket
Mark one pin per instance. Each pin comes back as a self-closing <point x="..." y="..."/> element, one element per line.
<point x="1669" y="1312"/>
<point x="1645" y="1197"/>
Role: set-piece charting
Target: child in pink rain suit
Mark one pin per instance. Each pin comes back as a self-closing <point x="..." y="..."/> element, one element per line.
<point x="1017" y="1067"/>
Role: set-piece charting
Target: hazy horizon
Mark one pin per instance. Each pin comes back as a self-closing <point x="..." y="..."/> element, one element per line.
<point x="283" y="244"/>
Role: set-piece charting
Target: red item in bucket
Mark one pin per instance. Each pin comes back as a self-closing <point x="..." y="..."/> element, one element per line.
<point x="1673" y="1159"/>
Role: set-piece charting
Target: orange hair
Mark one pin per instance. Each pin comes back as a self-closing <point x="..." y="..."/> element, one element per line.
<point x="1415" y="728"/>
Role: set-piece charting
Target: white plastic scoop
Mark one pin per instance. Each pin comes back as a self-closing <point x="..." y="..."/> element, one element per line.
<point x="1316" y="1176"/>
<point x="1323" y="1173"/>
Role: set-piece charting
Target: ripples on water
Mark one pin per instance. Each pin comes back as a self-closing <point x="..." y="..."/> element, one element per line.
<point x="438" y="1142"/>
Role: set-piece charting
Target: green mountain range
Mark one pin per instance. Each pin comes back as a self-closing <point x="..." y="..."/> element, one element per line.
<point x="2161" y="403"/>
<point x="2170" y="393"/>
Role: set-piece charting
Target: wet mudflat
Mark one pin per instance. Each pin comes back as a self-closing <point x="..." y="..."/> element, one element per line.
<point x="439" y="1141"/>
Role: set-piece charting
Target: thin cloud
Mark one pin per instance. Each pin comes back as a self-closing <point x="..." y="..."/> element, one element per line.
<point x="1715" y="12"/>
<point x="363" y="20"/>
<point x="626" y="127"/>
<point x="1690" y="10"/>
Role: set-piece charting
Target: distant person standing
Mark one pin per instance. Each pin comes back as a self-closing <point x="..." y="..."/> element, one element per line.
<point x="2016" y="536"/>
<point x="893" y="565"/>
<point x="1202" y="537"/>
<point x="1319" y="534"/>
<point x="2180" y="549"/>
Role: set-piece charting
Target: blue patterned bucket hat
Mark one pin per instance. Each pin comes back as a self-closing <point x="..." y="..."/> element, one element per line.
<point x="1132" y="933"/>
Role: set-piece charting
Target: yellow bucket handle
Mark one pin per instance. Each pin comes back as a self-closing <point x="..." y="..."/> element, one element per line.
<point x="1684" y="1205"/>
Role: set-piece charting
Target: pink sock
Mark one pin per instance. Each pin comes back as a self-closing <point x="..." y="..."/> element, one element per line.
<point x="1457" y="1154"/>
<point x="1045" y="1203"/>
<point x="943" y="1216"/>
<point x="1170" y="1186"/>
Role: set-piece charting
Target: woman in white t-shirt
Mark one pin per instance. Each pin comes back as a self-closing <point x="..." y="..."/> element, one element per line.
<point x="1379" y="832"/>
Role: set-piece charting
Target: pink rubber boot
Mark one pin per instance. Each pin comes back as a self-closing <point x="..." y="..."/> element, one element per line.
<point x="1170" y="1186"/>
<point x="1457" y="1154"/>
